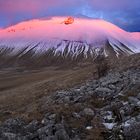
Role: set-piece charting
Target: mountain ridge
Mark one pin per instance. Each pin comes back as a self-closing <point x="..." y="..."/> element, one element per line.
<point x="83" y="35"/>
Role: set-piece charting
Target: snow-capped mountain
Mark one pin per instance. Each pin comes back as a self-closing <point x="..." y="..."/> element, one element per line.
<point x="68" y="35"/>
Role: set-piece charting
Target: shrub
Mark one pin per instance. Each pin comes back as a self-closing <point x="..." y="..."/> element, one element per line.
<point x="101" y="65"/>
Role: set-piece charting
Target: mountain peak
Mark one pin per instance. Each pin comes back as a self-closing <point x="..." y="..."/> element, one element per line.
<point x="52" y="33"/>
<point x="69" y="20"/>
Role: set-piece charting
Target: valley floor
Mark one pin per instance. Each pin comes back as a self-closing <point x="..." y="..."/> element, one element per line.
<point x="20" y="91"/>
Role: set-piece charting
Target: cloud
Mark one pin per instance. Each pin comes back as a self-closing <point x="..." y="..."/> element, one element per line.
<point x="121" y="12"/>
<point x="33" y="6"/>
<point x="114" y="4"/>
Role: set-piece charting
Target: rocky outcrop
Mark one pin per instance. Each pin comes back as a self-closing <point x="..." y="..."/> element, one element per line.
<point x="108" y="108"/>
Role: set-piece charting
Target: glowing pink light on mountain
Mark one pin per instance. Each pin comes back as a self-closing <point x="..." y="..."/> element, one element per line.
<point x="80" y="29"/>
<point x="84" y="30"/>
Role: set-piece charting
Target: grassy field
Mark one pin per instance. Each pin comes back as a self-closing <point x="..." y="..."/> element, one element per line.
<point x="20" y="91"/>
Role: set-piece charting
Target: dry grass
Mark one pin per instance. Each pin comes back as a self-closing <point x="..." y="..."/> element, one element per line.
<point x="20" y="91"/>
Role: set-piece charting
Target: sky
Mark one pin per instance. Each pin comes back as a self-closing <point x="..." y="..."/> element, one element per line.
<point x="123" y="13"/>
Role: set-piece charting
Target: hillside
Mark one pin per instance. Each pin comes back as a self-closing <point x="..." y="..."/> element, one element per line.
<point x="58" y="103"/>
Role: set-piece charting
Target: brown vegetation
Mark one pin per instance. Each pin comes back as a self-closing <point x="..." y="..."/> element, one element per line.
<point x="20" y="91"/>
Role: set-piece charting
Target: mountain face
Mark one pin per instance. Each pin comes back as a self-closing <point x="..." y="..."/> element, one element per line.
<point x="69" y="36"/>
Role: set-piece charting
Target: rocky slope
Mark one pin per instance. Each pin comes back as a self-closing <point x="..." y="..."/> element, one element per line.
<point x="107" y="108"/>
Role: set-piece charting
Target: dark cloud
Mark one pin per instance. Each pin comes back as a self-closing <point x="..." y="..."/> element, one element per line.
<point x="124" y="13"/>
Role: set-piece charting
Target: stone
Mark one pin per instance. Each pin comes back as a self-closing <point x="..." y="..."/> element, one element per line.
<point x="61" y="135"/>
<point x="32" y="126"/>
<point x="138" y="118"/>
<point x="52" y="117"/>
<point x="76" y="138"/>
<point x="88" y="111"/>
<point x="14" y="122"/>
<point x="138" y="104"/>
<point x="9" y="136"/>
<point x="46" y="130"/>
<point x="133" y="100"/>
<point x="138" y="96"/>
<point x="108" y="117"/>
<point x="59" y="126"/>
<point x="132" y="131"/>
<point x="76" y="115"/>
<point x="127" y="109"/>
<point x="110" y="80"/>
<point x="89" y="127"/>
<point x="79" y="99"/>
<point x="104" y="90"/>
<point x="83" y="88"/>
<point x="14" y="126"/>
<point x="109" y="125"/>
<point x="66" y="99"/>
<point x="51" y="138"/>
<point x="112" y="87"/>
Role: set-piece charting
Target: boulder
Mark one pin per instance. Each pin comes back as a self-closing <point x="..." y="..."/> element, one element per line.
<point x="138" y="96"/>
<point x="133" y="100"/>
<point x="132" y="131"/>
<point x="104" y="90"/>
<point x="88" y="111"/>
<point x="61" y="135"/>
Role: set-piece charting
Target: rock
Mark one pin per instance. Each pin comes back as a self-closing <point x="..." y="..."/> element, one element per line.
<point x="45" y="131"/>
<point x="51" y="138"/>
<point x="43" y="137"/>
<point x="138" y="118"/>
<point x="12" y="136"/>
<point x="112" y="87"/>
<point x="89" y="127"/>
<point x="132" y="131"/>
<point x="110" y="79"/>
<point x="66" y="99"/>
<point x="59" y="126"/>
<point x="76" y="115"/>
<point x="9" y="136"/>
<point x="83" y="88"/>
<point x="76" y="138"/>
<point x="138" y="104"/>
<point x="88" y="111"/>
<point x="104" y="90"/>
<point x="138" y="96"/>
<point x="89" y="89"/>
<point x="14" y="126"/>
<point x="61" y="135"/>
<point x="46" y="121"/>
<point x="127" y="109"/>
<point x="109" y="125"/>
<point x="90" y="93"/>
<point x="133" y="100"/>
<point x="78" y="99"/>
<point x="14" y="122"/>
<point x="108" y="116"/>
<point x="49" y="119"/>
<point x="52" y="117"/>
<point x="116" y="104"/>
<point x="32" y="126"/>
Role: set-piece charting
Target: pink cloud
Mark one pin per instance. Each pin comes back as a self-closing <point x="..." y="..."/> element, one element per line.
<point x="14" y="6"/>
